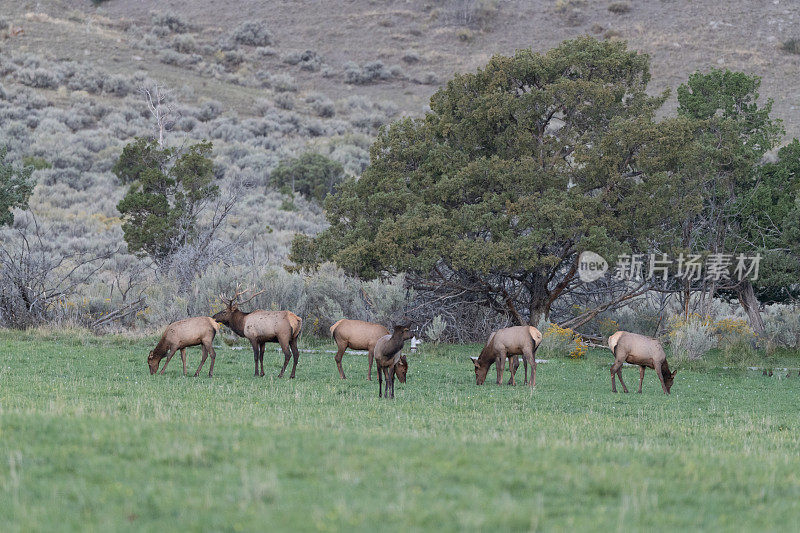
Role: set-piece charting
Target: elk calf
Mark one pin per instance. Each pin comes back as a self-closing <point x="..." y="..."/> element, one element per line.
<point x="646" y="352"/>
<point x="197" y="331"/>
<point x="260" y="327"/>
<point x="389" y="361"/>
<point x="516" y="340"/>
<point x="358" y="335"/>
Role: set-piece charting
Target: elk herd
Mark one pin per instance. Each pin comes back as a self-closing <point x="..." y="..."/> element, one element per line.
<point x="384" y="348"/>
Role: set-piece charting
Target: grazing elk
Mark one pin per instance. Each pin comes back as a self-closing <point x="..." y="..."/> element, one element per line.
<point x="199" y="330"/>
<point x="389" y="361"/>
<point x="516" y="340"/>
<point x="260" y="327"/>
<point x="358" y="335"/>
<point x="639" y="350"/>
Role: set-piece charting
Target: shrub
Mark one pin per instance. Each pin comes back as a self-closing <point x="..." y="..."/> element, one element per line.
<point x="284" y="83"/>
<point x="619" y="8"/>
<point x="465" y="35"/>
<point x="171" y="21"/>
<point x="435" y="329"/>
<point x="252" y="33"/>
<point x="209" y="110"/>
<point x="285" y="101"/>
<point x="410" y="57"/>
<point x="370" y="72"/>
<point x="782" y="326"/>
<point x="690" y="337"/>
<point x="118" y="85"/>
<point x="429" y="78"/>
<point x="560" y="342"/>
<point x="312" y="175"/>
<point x="791" y="45"/>
<point x="171" y="57"/>
<point x="184" y="44"/>
<point x="321" y="105"/>
<point x="40" y="78"/>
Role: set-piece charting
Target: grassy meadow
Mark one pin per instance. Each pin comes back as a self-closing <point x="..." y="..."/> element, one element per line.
<point x="90" y="441"/>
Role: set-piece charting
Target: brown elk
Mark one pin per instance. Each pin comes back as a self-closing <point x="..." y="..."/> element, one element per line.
<point x="196" y="331"/>
<point x="516" y="340"/>
<point x="260" y="327"/>
<point x="390" y="361"/>
<point x="639" y="350"/>
<point x="357" y="335"/>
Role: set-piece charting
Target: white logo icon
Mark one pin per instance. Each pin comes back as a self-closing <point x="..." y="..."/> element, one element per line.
<point x="591" y="266"/>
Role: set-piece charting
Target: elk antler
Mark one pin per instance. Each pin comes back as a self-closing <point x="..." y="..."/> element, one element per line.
<point x="237" y="293"/>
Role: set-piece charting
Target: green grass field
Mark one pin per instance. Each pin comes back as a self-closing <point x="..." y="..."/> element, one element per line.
<point x="90" y="441"/>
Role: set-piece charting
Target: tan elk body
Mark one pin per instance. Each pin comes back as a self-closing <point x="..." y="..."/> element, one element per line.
<point x="356" y="335"/>
<point x="260" y="327"/>
<point x="389" y="361"/>
<point x="516" y="340"/>
<point x="196" y="331"/>
<point x="646" y="352"/>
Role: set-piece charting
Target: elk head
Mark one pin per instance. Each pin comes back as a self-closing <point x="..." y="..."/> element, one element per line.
<point x="401" y="369"/>
<point x="232" y="305"/>
<point x="480" y="371"/>
<point x="669" y="377"/>
<point x="153" y="361"/>
<point x="404" y="330"/>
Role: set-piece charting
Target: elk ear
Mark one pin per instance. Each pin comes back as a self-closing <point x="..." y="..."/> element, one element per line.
<point x="673" y="373"/>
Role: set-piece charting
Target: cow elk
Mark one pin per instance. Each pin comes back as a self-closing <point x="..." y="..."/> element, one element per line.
<point x="357" y="335"/>
<point x="260" y="327"/>
<point x="646" y="352"/>
<point x="516" y="340"/>
<point x="196" y="331"/>
<point x="390" y="361"/>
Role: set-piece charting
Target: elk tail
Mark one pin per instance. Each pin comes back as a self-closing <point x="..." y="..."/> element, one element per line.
<point x="333" y="327"/>
<point x="296" y="323"/>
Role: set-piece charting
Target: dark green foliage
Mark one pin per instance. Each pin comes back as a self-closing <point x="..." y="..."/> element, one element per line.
<point x="791" y="45"/>
<point x="516" y="170"/>
<point x="16" y="187"/>
<point x="312" y="175"/>
<point x="167" y="189"/>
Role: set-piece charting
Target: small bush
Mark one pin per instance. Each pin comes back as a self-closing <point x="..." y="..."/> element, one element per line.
<point x="429" y="78"/>
<point x="560" y="342"/>
<point x="40" y="78"/>
<point x="410" y="57"/>
<point x="368" y="73"/>
<point x="782" y="326"/>
<point x="184" y="44"/>
<point x="283" y="83"/>
<point x="619" y="8"/>
<point x="285" y="101"/>
<point x="210" y="110"/>
<point x="791" y="45"/>
<point x="171" y="21"/>
<point x="252" y="33"/>
<point x="465" y="35"/>
<point x="321" y="105"/>
<point x="435" y="329"/>
<point x="691" y="337"/>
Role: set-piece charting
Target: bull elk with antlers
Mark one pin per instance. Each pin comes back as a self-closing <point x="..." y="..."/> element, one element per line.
<point x="260" y="327"/>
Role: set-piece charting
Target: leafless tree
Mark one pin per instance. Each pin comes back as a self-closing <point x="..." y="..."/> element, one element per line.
<point x="159" y="101"/>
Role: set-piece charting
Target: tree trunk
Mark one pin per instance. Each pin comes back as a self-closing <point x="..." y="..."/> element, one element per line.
<point x="750" y="304"/>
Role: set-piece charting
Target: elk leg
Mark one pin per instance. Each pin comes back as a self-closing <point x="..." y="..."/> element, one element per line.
<point x="619" y="375"/>
<point x="380" y="382"/>
<point x="287" y="354"/>
<point x="203" y="360"/>
<point x="261" y="356"/>
<point x="295" y="353"/>
<point x="528" y="357"/>
<point x="254" y="344"/>
<point x="371" y="357"/>
<point x="339" y="355"/>
<point x="661" y="378"/>
<point x="390" y="382"/>
<point x="167" y="362"/>
<point x="514" y="365"/>
<point x="183" y="360"/>
<point x="616" y="366"/>
<point x="500" y="363"/>
<point x="213" y="357"/>
<point x="641" y="378"/>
